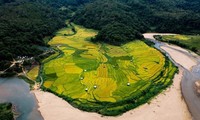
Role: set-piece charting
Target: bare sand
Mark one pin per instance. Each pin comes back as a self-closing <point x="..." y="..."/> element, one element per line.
<point x="150" y="35"/>
<point x="168" y="105"/>
<point x="179" y="56"/>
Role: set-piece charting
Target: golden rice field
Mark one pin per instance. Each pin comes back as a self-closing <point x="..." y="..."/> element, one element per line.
<point x="33" y="73"/>
<point x="104" y="78"/>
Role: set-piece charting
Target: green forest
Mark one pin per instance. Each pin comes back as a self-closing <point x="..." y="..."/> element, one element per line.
<point x="25" y="23"/>
<point x="6" y="111"/>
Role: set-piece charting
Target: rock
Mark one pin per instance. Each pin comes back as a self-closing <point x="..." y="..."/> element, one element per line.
<point x="197" y="84"/>
<point x="197" y="87"/>
<point x="86" y="89"/>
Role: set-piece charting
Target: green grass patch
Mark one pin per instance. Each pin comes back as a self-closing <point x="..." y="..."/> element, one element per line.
<point x="191" y="42"/>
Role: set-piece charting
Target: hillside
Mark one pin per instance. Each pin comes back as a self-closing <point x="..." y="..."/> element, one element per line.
<point x="113" y="19"/>
<point x="120" y="21"/>
<point x="25" y="23"/>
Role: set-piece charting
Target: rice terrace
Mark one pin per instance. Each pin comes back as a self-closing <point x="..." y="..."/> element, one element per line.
<point x="103" y="78"/>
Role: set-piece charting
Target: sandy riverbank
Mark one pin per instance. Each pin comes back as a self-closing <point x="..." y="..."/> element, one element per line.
<point x="167" y="105"/>
<point x="150" y="35"/>
<point x="177" y="54"/>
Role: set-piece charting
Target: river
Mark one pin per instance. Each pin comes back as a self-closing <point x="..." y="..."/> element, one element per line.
<point x="17" y="92"/>
<point x="190" y="76"/>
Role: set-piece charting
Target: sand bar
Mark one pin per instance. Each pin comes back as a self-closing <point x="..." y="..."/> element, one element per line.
<point x="169" y="105"/>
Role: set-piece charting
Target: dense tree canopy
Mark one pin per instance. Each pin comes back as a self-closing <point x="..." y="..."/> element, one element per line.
<point x="6" y="111"/>
<point x="113" y="19"/>
<point x="120" y="21"/>
<point x="24" y="23"/>
<point x="6" y="1"/>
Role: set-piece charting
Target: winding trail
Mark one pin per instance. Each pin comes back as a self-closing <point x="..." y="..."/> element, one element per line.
<point x="190" y="64"/>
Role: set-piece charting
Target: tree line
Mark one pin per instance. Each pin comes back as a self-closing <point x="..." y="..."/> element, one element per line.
<point x="25" y="23"/>
<point x="120" y="21"/>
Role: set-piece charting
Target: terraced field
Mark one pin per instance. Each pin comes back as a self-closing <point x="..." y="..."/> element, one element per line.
<point x="104" y="78"/>
<point x="33" y="73"/>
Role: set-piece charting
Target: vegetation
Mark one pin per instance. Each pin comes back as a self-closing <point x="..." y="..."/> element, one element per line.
<point x="191" y="42"/>
<point x="33" y="73"/>
<point x="113" y="19"/>
<point x="6" y="111"/>
<point x="98" y="77"/>
<point x="6" y="1"/>
<point x="120" y="21"/>
<point x="105" y="78"/>
<point x="25" y="24"/>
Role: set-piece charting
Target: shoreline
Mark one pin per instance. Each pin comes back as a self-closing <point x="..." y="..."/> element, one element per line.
<point x="161" y="106"/>
<point x="167" y="104"/>
<point x="190" y="62"/>
<point x="178" y="57"/>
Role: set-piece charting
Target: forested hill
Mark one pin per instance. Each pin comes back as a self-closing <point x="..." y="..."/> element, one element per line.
<point x="6" y="1"/>
<point x="120" y="21"/>
<point x="25" y="23"/>
<point x="116" y="21"/>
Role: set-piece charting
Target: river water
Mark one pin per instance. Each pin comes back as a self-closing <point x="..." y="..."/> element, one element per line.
<point x="189" y="93"/>
<point x="188" y="79"/>
<point x="17" y="92"/>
